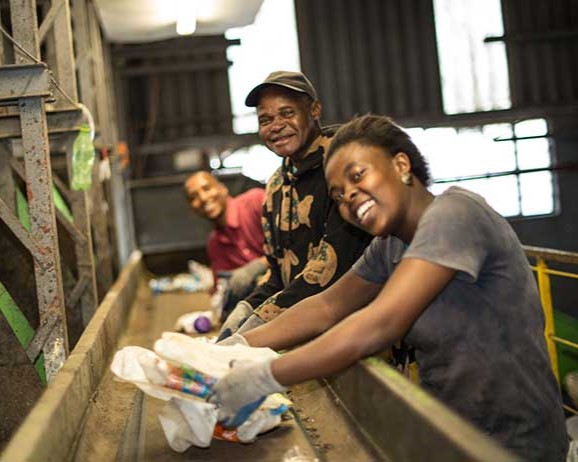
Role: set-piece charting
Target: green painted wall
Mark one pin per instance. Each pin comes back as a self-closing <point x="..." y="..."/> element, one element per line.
<point x="566" y="327"/>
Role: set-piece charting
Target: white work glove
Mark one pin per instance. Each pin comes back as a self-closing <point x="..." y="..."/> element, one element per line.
<point x="242" y="390"/>
<point x="235" y="339"/>
<point x="251" y="323"/>
<point x="238" y="316"/>
<point x="243" y="278"/>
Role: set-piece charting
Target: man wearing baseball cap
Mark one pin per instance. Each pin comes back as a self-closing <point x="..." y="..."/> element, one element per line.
<point x="307" y="244"/>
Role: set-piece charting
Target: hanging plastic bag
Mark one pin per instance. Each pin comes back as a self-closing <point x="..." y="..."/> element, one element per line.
<point x="82" y="160"/>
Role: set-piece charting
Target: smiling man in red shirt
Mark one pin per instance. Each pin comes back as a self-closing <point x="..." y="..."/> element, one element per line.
<point x="236" y="242"/>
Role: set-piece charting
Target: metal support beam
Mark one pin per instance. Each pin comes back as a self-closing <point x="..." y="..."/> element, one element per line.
<point x="43" y="228"/>
<point x="8" y="217"/>
<point x="66" y="73"/>
<point x="76" y="235"/>
<point x="60" y="47"/>
<point x="62" y="188"/>
<point x="7" y="189"/>
<point x="65" y="68"/>
<point x="48" y="21"/>
<point x="102" y="101"/>
<point x="2" y="57"/>
<point x="77" y="292"/>
<point x="18" y="81"/>
<point x="26" y="84"/>
<point x="84" y="54"/>
<point x="25" y="30"/>
<point x="92" y="85"/>
<point x="101" y="235"/>
<point x="84" y="253"/>
<point x="41" y="335"/>
<point x="59" y="121"/>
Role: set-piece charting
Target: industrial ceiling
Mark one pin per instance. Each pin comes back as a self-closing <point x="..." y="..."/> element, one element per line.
<point x="134" y="21"/>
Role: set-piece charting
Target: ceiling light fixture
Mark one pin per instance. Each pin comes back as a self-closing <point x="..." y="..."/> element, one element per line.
<point x="187" y="17"/>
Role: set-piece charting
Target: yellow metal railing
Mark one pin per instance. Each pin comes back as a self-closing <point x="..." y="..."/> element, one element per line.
<point x="543" y="273"/>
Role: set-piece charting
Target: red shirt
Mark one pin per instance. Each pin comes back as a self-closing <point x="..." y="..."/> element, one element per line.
<point x="241" y="239"/>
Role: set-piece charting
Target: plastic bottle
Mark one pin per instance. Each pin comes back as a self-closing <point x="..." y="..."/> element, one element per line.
<point x="82" y="160"/>
<point x="196" y="322"/>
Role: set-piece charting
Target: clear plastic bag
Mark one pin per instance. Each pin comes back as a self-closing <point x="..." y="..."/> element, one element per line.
<point x="181" y="371"/>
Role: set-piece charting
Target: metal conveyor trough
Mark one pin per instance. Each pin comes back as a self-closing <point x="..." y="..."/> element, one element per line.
<point x="368" y="413"/>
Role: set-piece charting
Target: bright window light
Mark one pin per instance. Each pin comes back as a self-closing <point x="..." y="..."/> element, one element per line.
<point x="536" y="191"/>
<point x="474" y="74"/>
<point x="257" y="56"/>
<point x="260" y="53"/>
<point x="256" y="162"/>
<point x="494" y="163"/>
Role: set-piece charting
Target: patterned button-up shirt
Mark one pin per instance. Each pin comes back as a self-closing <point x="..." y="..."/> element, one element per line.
<point x="307" y="243"/>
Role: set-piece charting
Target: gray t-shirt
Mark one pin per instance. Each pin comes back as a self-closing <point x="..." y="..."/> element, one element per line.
<point x="480" y="344"/>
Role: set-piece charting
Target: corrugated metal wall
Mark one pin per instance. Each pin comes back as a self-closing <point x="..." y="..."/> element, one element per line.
<point x="542" y="43"/>
<point x="173" y="90"/>
<point x="381" y="56"/>
<point x="370" y="55"/>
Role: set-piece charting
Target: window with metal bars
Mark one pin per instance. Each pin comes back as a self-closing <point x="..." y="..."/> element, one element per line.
<point x="509" y="164"/>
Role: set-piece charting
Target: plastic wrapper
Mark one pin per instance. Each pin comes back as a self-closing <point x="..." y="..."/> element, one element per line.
<point x="181" y="282"/>
<point x="199" y="278"/>
<point x="182" y="371"/>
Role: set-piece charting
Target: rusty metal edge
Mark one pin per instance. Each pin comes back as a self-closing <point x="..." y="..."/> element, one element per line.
<point x="405" y="422"/>
<point x="560" y="256"/>
<point x="49" y="431"/>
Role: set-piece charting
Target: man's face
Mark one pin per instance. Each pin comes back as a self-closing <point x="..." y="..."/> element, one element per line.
<point x="287" y="122"/>
<point x="207" y="196"/>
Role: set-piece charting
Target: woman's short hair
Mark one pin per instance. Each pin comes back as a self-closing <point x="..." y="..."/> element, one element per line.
<point x="383" y="132"/>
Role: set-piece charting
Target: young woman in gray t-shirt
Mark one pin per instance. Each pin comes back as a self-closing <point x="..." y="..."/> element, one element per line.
<point x="446" y="274"/>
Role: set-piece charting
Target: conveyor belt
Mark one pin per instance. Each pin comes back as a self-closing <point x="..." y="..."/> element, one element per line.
<point x="135" y="434"/>
<point x="368" y="413"/>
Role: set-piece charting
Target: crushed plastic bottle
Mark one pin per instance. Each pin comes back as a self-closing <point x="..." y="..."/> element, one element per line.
<point x="199" y="322"/>
<point x="161" y="285"/>
<point x="184" y="282"/>
<point x="82" y="160"/>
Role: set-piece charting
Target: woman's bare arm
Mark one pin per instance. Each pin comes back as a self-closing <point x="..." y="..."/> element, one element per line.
<point x="387" y="318"/>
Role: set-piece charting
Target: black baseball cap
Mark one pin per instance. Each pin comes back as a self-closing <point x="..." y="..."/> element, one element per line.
<point x="295" y="81"/>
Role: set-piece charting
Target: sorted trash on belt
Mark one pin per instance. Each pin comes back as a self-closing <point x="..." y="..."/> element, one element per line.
<point x="182" y="371"/>
<point x="199" y="322"/>
<point x="199" y="278"/>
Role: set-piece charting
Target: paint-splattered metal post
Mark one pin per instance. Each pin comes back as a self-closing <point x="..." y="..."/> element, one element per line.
<point x="31" y="84"/>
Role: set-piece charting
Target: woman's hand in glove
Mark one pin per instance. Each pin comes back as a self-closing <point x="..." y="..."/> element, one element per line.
<point x="247" y="383"/>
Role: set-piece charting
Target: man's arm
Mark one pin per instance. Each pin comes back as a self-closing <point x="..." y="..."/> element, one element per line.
<point x="314" y="315"/>
<point x="269" y="285"/>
